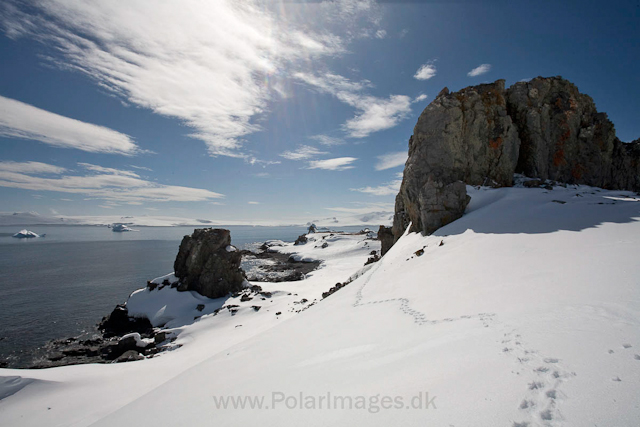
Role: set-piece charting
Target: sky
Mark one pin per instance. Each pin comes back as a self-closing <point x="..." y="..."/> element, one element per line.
<point x="268" y="110"/>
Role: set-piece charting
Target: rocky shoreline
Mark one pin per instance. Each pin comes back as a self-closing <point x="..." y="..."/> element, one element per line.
<point x="120" y="338"/>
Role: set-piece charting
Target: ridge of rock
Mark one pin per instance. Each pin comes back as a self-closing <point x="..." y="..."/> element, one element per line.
<point x="481" y="135"/>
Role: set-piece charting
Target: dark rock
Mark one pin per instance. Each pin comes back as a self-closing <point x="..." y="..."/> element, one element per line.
<point x="119" y="323"/>
<point x="206" y="266"/>
<point x="419" y="252"/>
<point x="245" y="298"/>
<point x="564" y="138"/>
<point x="129" y="356"/>
<point x="533" y="183"/>
<point x="372" y="259"/>
<point x="200" y="307"/>
<point x="301" y="240"/>
<point x="54" y="357"/>
<point x="385" y="235"/>
<point x="312" y="228"/>
<point x="256" y="307"/>
<point x="160" y="337"/>
<point x="324" y="245"/>
<point x="334" y="289"/>
<point x="278" y="313"/>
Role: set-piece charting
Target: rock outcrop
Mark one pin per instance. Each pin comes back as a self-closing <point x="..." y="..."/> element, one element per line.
<point x="208" y="264"/>
<point x="482" y="135"/>
<point x="385" y="235"/>
<point x="462" y="137"/>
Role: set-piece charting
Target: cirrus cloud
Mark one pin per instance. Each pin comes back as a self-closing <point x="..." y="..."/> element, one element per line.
<point x="24" y="121"/>
<point x="373" y="114"/>
<point x="391" y="160"/>
<point x="112" y="185"/>
<point x="303" y="152"/>
<point x="337" y="164"/>
<point x="479" y="70"/>
<point x="213" y="65"/>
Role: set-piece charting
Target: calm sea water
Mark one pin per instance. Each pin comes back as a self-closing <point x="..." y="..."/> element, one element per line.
<point x="63" y="284"/>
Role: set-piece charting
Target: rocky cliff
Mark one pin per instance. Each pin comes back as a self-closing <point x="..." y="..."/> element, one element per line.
<point x="482" y="135"/>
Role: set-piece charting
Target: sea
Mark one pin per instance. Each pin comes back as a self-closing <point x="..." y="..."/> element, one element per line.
<point x="62" y="284"/>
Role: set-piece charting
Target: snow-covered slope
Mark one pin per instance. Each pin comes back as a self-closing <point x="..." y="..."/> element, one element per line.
<point x="525" y="312"/>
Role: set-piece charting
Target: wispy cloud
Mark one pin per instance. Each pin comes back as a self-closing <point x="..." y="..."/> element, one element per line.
<point x="380" y="34"/>
<point x="255" y="161"/>
<point x="108" y="184"/>
<point x="141" y="168"/>
<point x="24" y="121"/>
<point x="337" y="164"/>
<point x="388" y="189"/>
<point x="32" y="168"/>
<point x="391" y="160"/>
<point x="373" y="114"/>
<point x="426" y="71"/>
<point x="365" y="208"/>
<point x="303" y="152"/>
<point x="479" y="70"/>
<point x="327" y="140"/>
<point x="420" y="98"/>
<point x="109" y="171"/>
<point x="214" y="65"/>
<point x="253" y="203"/>
<point x="376" y="114"/>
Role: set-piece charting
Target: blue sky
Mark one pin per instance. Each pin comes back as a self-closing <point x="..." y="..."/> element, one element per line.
<point x="274" y="111"/>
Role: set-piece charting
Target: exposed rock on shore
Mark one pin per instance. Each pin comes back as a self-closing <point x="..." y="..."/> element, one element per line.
<point x="482" y="135"/>
<point x="272" y="266"/>
<point x="208" y="264"/>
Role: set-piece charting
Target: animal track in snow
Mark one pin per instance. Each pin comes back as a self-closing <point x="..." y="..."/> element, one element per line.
<point x="544" y="376"/>
<point x="419" y="318"/>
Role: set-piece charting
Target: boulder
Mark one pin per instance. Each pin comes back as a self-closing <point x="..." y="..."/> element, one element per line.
<point x="129" y="356"/>
<point x="205" y="265"/>
<point x="119" y="323"/>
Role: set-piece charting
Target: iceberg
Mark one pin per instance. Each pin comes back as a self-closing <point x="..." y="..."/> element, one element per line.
<point x="26" y="234"/>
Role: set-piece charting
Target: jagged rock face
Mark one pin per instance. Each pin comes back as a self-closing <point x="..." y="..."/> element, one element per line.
<point x="563" y="136"/>
<point x="461" y="137"/>
<point x="482" y="135"/>
<point x="385" y="235"/>
<point x="625" y="167"/>
<point x="205" y="265"/>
